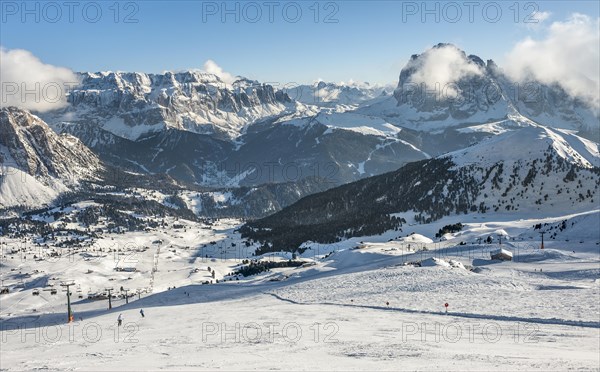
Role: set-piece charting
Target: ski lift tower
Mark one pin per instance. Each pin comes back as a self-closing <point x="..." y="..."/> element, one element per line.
<point x="69" y="311"/>
<point x="109" y="290"/>
<point x="542" y="234"/>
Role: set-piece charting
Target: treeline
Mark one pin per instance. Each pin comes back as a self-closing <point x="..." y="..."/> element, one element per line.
<point x="454" y="228"/>
<point x="257" y="267"/>
<point x="366" y="207"/>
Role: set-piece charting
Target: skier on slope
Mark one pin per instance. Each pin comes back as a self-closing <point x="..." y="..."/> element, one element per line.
<point x="142" y="313"/>
<point x="120" y="320"/>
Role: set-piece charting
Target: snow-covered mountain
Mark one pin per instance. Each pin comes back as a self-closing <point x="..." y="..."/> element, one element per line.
<point x="528" y="172"/>
<point x="134" y="105"/>
<point x="338" y="96"/>
<point x="444" y="88"/>
<point x="195" y="128"/>
<point x="37" y="164"/>
<point x="39" y="167"/>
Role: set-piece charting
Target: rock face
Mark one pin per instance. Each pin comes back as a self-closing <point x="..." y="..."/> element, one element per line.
<point x="37" y="150"/>
<point x="36" y="164"/>
<point x="459" y="94"/>
<point x="444" y="88"/>
<point x="134" y="105"/>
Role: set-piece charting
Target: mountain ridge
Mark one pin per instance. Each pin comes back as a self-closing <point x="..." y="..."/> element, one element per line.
<point x="559" y="172"/>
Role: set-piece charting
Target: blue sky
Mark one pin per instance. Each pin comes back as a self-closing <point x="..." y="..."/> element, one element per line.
<point x="370" y="41"/>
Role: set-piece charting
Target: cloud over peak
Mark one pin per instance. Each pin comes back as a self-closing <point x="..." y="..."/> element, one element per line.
<point x="211" y="67"/>
<point x="444" y="64"/>
<point x="567" y="55"/>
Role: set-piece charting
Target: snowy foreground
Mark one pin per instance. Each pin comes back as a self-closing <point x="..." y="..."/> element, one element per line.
<point x="362" y="304"/>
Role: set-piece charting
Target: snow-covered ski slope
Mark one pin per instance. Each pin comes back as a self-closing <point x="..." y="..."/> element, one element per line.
<point x="361" y="304"/>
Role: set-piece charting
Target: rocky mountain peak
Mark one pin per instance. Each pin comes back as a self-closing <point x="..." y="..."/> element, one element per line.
<point x="134" y="105"/>
<point x="30" y="145"/>
<point x="445" y="85"/>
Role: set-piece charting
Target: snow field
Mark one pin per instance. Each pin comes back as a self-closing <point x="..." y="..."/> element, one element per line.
<point x="360" y="304"/>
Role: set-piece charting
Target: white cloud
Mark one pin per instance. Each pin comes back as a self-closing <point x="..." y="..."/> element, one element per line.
<point x="31" y="84"/>
<point x="537" y="19"/>
<point x="444" y="65"/>
<point x="211" y="67"/>
<point x="567" y="55"/>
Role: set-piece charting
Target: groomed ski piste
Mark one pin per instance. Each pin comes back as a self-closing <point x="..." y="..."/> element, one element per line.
<point x="369" y="303"/>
